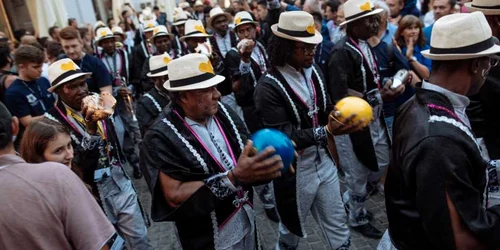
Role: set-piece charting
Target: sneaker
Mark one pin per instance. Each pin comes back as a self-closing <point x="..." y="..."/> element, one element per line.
<point x="369" y="231"/>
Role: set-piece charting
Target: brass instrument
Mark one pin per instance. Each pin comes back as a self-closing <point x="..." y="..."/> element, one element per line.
<point x="119" y="45"/>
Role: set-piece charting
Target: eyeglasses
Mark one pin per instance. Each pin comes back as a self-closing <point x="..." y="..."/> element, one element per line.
<point x="494" y="62"/>
<point x="308" y="49"/>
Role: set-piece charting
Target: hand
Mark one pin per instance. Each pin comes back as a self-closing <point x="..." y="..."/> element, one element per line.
<point x="245" y="48"/>
<point x="337" y="126"/>
<point x="90" y="124"/>
<point x="409" y="48"/>
<point x="257" y="168"/>
<point x="396" y="45"/>
<point x="124" y="92"/>
<point x="214" y="59"/>
<point x="389" y="94"/>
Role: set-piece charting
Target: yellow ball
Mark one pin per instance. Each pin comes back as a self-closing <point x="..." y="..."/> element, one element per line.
<point x="354" y="105"/>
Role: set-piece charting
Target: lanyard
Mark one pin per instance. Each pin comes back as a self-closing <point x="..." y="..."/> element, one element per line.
<point x="39" y="96"/>
<point x="261" y="59"/>
<point x="233" y="158"/>
<point x="373" y="63"/>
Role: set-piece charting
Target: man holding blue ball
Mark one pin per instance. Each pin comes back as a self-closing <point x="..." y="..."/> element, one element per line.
<point x="197" y="166"/>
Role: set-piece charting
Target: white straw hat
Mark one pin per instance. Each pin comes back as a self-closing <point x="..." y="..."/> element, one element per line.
<point x="147" y="15"/>
<point x="488" y="7"/>
<point x="190" y="72"/>
<point x="180" y="18"/>
<point x="243" y="17"/>
<point x="194" y="28"/>
<point x="357" y="9"/>
<point x="198" y="3"/>
<point x="97" y="25"/>
<point x="184" y="5"/>
<point x="149" y="25"/>
<point x="117" y="30"/>
<point x="158" y="65"/>
<point x="214" y="13"/>
<point x="461" y="36"/>
<point x="103" y="33"/>
<point x="161" y="30"/>
<point x="63" y="71"/>
<point x="297" y="26"/>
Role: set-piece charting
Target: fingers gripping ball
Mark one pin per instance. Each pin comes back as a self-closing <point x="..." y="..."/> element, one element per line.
<point x="352" y="105"/>
<point x="279" y="141"/>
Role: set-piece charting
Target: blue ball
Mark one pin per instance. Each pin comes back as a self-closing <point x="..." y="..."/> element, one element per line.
<point x="279" y="141"/>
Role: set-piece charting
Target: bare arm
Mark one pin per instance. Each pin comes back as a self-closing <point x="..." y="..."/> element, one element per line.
<point x="25" y="121"/>
<point x="421" y="70"/>
<point x="176" y="192"/>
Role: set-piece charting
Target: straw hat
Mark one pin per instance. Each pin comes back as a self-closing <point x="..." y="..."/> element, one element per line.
<point x="190" y="72"/>
<point x="198" y="3"/>
<point x="461" y="36"/>
<point x="97" y="25"/>
<point x="243" y="17"/>
<point x="488" y="7"/>
<point x="357" y="9"/>
<point x="117" y="30"/>
<point x="184" y="5"/>
<point x="161" y="30"/>
<point x="149" y="25"/>
<point x="158" y="65"/>
<point x="102" y="34"/>
<point x="194" y="28"/>
<point x="63" y="71"/>
<point x="297" y="26"/>
<point x="214" y="13"/>
<point x="147" y="15"/>
<point x="180" y="18"/>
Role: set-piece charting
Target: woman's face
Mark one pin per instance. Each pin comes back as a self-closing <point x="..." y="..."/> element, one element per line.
<point x="60" y="150"/>
<point x="412" y="32"/>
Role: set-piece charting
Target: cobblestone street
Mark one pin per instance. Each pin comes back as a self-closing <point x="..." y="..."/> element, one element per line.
<point x="163" y="237"/>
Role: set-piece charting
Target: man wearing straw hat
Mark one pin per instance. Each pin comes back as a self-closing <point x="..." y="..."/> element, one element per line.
<point x="97" y="152"/>
<point x="436" y="193"/>
<point x="142" y="51"/>
<point x="246" y="63"/>
<point x="162" y="41"/>
<point x="292" y="97"/>
<point x="223" y="39"/>
<point x="179" y="20"/>
<point x="150" y="105"/>
<point x="354" y="71"/>
<point x="127" y="128"/>
<point x="200" y="169"/>
<point x="483" y="108"/>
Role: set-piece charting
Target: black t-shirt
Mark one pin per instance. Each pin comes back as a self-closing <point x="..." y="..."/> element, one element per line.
<point x="100" y="74"/>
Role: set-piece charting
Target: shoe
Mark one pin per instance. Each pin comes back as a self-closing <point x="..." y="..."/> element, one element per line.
<point x="369" y="215"/>
<point x="272" y="214"/>
<point x="137" y="173"/>
<point x="369" y="231"/>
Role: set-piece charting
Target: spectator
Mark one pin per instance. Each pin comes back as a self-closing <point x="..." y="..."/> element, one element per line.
<point x="54" y="51"/>
<point x="441" y="8"/>
<point x="111" y="22"/>
<point x="339" y="32"/>
<point x="54" y="33"/>
<point x="28" y="40"/>
<point x="395" y="6"/>
<point x="6" y="62"/>
<point x="47" y="140"/>
<point x="73" y="23"/>
<point x="87" y="41"/>
<point x="161" y="17"/>
<point x="62" y="213"/>
<point x="331" y="9"/>
<point x="72" y="44"/>
<point x="324" y="48"/>
<point x="389" y="29"/>
<point x="27" y="98"/>
<point x="410" y="41"/>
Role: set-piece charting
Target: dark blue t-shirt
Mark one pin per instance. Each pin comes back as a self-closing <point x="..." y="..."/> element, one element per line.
<point x="100" y="74"/>
<point x="24" y="98"/>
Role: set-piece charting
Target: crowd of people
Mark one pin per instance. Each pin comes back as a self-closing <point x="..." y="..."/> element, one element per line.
<point x="178" y="101"/>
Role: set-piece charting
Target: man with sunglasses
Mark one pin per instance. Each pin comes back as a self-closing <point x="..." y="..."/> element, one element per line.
<point x="292" y="97"/>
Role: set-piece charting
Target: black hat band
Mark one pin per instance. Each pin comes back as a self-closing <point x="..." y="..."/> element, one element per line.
<point x="486" y="7"/>
<point x="64" y="75"/>
<point x="296" y="33"/>
<point x="469" y="49"/>
<point x="191" y="80"/>
<point x="158" y="70"/>
<point x="359" y="14"/>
